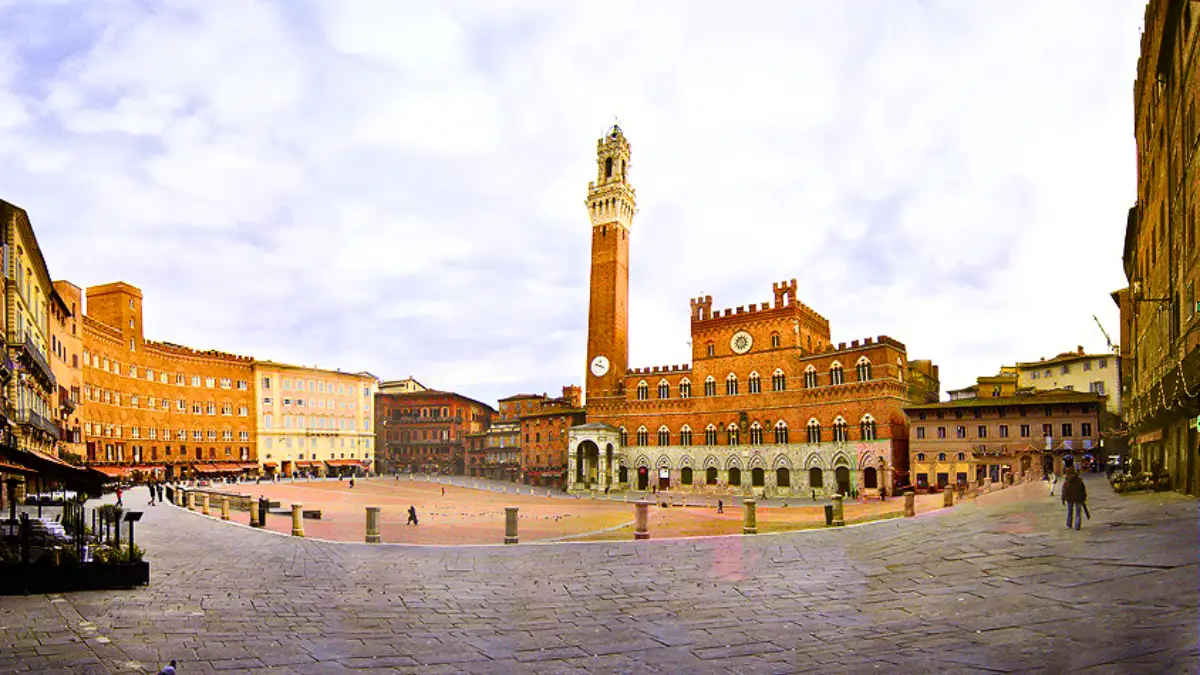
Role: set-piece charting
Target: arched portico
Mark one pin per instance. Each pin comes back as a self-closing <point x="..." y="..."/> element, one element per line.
<point x="594" y="457"/>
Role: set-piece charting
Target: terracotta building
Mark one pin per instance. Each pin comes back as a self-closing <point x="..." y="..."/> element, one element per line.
<point x="979" y="437"/>
<point x="157" y="409"/>
<point x="426" y="431"/>
<point x="1160" y="309"/>
<point x="314" y="421"/>
<point x="769" y="402"/>
<point x="66" y="352"/>
<point x="544" y="437"/>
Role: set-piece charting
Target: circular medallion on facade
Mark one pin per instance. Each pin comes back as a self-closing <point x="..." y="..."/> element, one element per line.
<point x="600" y="366"/>
<point x="741" y="342"/>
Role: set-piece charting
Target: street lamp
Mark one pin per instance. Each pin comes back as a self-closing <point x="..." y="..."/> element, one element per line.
<point x="132" y="517"/>
<point x="1137" y="295"/>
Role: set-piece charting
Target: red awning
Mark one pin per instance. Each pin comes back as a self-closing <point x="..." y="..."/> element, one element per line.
<point x="6" y="467"/>
<point x="270" y="465"/>
<point x="345" y="462"/>
<point x="112" y="471"/>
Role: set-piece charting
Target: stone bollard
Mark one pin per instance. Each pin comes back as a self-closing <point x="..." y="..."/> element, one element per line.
<point x="179" y="497"/>
<point x="224" y="508"/>
<point x="749" y="516"/>
<point x="297" y="520"/>
<point x="987" y="485"/>
<point x="372" y="524"/>
<point x="204" y="505"/>
<point x="839" y="512"/>
<point x="910" y="504"/>
<point x="948" y="497"/>
<point x="510" y="524"/>
<point x="254" y="514"/>
<point x="191" y="501"/>
<point x="641" y="517"/>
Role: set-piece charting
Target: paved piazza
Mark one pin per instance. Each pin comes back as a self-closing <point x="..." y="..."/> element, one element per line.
<point x="995" y="585"/>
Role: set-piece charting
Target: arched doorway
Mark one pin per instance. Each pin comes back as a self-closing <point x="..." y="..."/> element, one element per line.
<point x="783" y="477"/>
<point x="735" y="476"/>
<point x="587" y="459"/>
<point x="870" y="478"/>
<point x="643" y="480"/>
<point x="1026" y="463"/>
<point x="664" y="478"/>
<point x="685" y="475"/>
<point x="816" y="478"/>
<point x="623" y="474"/>
<point x="710" y="475"/>
<point x="757" y="477"/>
<point x="842" y="475"/>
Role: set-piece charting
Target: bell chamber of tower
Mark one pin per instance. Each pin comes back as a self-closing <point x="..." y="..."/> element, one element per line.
<point x="611" y="199"/>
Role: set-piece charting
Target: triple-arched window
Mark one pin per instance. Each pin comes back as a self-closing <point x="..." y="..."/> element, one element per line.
<point x="781" y="432"/>
<point x="664" y="389"/>
<point x="664" y="435"/>
<point x="643" y="436"/>
<point x="755" y="434"/>
<point x="836" y="376"/>
<point x="810" y="377"/>
<point x="731" y="385"/>
<point x="864" y="369"/>
<point x="778" y="380"/>
<point x="814" y="431"/>
<point x="685" y="435"/>
<point x="624" y="436"/>
<point x="643" y="391"/>
<point x="841" y="433"/>
<point x="685" y="388"/>
<point x="755" y="383"/>
<point x="733" y="434"/>
<point x="710" y="435"/>
<point x="867" y="428"/>
<point x="710" y="386"/>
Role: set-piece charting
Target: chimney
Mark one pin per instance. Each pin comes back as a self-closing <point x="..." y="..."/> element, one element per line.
<point x="1080" y="349"/>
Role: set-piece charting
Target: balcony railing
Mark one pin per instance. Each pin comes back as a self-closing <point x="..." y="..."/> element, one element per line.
<point x="30" y="418"/>
<point x="27" y="346"/>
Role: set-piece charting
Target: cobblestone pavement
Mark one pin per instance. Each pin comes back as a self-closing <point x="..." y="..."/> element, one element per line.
<point x="995" y="585"/>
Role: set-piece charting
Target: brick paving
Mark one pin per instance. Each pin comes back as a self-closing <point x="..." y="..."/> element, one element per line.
<point x="994" y="585"/>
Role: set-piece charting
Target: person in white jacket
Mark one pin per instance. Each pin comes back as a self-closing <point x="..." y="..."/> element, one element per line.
<point x="1053" y="482"/>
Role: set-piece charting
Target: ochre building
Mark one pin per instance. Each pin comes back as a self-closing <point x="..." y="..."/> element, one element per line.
<point x="156" y="409"/>
<point x="769" y="403"/>
<point x="314" y="421"/>
<point x="427" y="431"/>
<point x="66" y="352"/>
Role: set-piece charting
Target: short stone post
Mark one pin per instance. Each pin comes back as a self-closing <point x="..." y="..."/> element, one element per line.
<point x="641" y="517"/>
<point x="254" y="514"/>
<point x="910" y="504"/>
<point x="372" y="524"/>
<point x="179" y="497"/>
<point x="297" y="520"/>
<point x="839" y="512"/>
<point x="987" y="484"/>
<point x="191" y="501"/>
<point x="948" y="496"/>
<point x="749" y="516"/>
<point x="510" y="524"/>
<point x="224" y="508"/>
<point x="204" y="505"/>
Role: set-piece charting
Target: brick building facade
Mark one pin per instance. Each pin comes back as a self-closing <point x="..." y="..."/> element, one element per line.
<point x="157" y="409"/>
<point x="1160" y="309"/>
<point x="66" y="353"/>
<point x="970" y="439"/>
<point x="769" y="402"/>
<point x="544" y="437"/>
<point x="427" y="431"/>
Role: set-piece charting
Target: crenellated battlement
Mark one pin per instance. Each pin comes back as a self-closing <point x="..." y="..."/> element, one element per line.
<point x="179" y="350"/>
<point x="858" y="345"/>
<point x="661" y="370"/>
<point x="785" y="299"/>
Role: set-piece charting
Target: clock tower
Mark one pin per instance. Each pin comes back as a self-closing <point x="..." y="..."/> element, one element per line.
<point x="611" y="203"/>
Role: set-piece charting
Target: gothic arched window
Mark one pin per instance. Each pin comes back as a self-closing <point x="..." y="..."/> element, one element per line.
<point x="710" y="386"/>
<point x="781" y="432"/>
<point x="864" y="369"/>
<point x="755" y="434"/>
<point x="778" y="380"/>
<point x="810" y="377"/>
<point x="685" y="435"/>
<point x="835" y="374"/>
<point x="664" y="435"/>
<point x="731" y="388"/>
<point x="867" y="428"/>
<point x="664" y="389"/>
<point x="643" y="436"/>
<point x="685" y="388"/>
<point x="643" y="391"/>
<point x="710" y="435"/>
<point x="841" y="433"/>
<point x="755" y="383"/>
<point x="814" y="431"/>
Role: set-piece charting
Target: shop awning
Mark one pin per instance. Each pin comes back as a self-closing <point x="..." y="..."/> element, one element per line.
<point x="345" y="462"/>
<point x="269" y="465"/>
<point x="7" y="467"/>
<point x="112" y="471"/>
<point x="205" y="468"/>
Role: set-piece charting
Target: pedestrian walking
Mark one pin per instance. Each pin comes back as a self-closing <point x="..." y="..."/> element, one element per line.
<point x="412" y="515"/>
<point x="720" y="506"/>
<point x="1053" y="482"/>
<point x="119" y="493"/>
<point x="352" y="482"/>
<point x="814" y="494"/>
<point x="150" y="488"/>
<point x="160" y="492"/>
<point x="1074" y="495"/>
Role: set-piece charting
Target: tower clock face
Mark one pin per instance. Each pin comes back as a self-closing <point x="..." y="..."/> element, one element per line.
<point x="741" y="342"/>
<point x="600" y="366"/>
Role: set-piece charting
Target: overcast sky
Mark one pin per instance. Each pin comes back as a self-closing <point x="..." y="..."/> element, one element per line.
<point x="399" y="186"/>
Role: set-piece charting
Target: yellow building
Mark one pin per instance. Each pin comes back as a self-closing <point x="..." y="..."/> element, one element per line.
<point x="66" y="346"/>
<point x="1075" y="371"/>
<point x="32" y="390"/>
<point x="312" y="420"/>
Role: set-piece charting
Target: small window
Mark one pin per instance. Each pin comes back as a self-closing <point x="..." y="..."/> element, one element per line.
<point x="775" y="339"/>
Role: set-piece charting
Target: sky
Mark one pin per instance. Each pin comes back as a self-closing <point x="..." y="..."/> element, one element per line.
<point x="399" y="187"/>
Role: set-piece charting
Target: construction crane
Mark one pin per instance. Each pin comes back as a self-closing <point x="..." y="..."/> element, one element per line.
<point x="1111" y="347"/>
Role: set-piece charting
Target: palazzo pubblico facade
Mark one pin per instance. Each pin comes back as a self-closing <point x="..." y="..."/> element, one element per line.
<point x="769" y="404"/>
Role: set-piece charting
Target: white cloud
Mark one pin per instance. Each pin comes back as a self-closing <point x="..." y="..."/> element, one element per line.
<point x="398" y="186"/>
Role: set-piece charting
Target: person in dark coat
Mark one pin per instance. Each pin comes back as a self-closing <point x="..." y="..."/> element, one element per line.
<point x="412" y="515"/>
<point x="1074" y="495"/>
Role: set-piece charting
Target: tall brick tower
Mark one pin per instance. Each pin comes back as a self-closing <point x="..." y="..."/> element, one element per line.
<point x="611" y="203"/>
